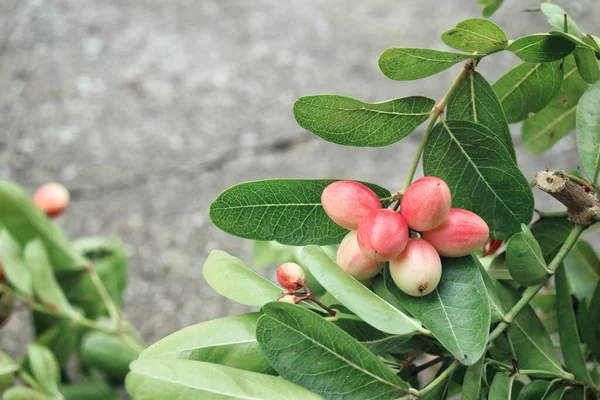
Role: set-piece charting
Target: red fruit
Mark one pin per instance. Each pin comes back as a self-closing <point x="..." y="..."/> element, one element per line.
<point x="352" y="260"/>
<point x="426" y="203"/>
<point x="382" y="234"/>
<point x="288" y="298"/>
<point x="290" y="275"/>
<point x="491" y="247"/>
<point x="461" y="233"/>
<point x="418" y="269"/>
<point x="52" y="198"/>
<point x="348" y="202"/>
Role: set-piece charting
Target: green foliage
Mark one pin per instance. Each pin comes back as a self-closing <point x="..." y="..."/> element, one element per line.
<point x="351" y="122"/>
<point x="43" y="367"/>
<point x="8" y="367"/>
<point x="542" y="47"/>
<point x="556" y="17"/>
<point x="16" y="271"/>
<point x="109" y="353"/>
<point x="475" y="34"/>
<point x="286" y="210"/>
<point x="405" y="64"/>
<point x="588" y="131"/>
<point x="525" y="260"/>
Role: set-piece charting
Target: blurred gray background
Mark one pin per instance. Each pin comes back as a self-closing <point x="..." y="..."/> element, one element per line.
<point x="147" y="110"/>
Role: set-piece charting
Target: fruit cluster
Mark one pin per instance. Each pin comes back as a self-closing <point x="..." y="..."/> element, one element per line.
<point x="412" y="239"/>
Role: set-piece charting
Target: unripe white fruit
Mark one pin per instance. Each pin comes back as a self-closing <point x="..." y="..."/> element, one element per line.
<point x="290" y="275"/>
<point x="352" y="260"/>
<point x="348" y="202"/>
<point x="418" y="269"/>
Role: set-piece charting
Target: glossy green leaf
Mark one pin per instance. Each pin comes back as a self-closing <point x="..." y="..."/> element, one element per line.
<point x="541" y="47"/>
<point x="8" y="367"/>
<point x="534" y="390"/>
<point x="16" y="271"/>
<point x="24" y="221"/>
<point x="589" y="329"/>
<point x="226" y="341"/>
<point x="24" y="393"/>
<point x="231" y="278"/>
<point x="474" y="34"/>
<point x="381" y="290"/>
<point x="43" y="367"/>
<point x="498" y="269"/>
<point x="556" y="17"/>
<point x="528" y="88"/>
<point x="496" y="308"/>
<point x="588" y="131"/>
<point x="152" y="379"/>
<point x="474" y="100"/>
<point x="578" y="42"/>
<point x="533" y="347"/>
<point x="109" y="353"/>
<point x="567" y="329"/>
<point x="354" y="295"/>
<point x="45" y="286"/>
<point x="587" y="64"/>
<point x="550" y="234"/>
<point x="481" y="173"/>
<point x="471" y="389"/>
<point x="582" y="266"/>
<point x="314" y="353"/>
<point x="95" y="390"/>
<point x="490" y="7"/>
<point x="501" y="388"/>
<point x="525" y="260"/>
<point x="350" y="122"/>
<point x="405" y="64"/>
<point x="61" y="339"/>
<point x="457" y="312"/>
<point x="545" y="305"/>
<point x="286" y="210"/>
<point x="544" y="129"/>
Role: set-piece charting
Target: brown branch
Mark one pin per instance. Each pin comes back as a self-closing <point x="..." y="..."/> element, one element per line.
<point x="581" y="202"/>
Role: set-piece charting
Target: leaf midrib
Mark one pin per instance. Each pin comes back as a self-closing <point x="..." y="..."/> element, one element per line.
<point x="449" y="322"/>
<point x="460" y="56"/>
<point x="516" y="323"/>
<point x="493" y="40"/>
<point x="363" y="108"/>
<point x="208" y="346"/>
<point x="348" y="362"/>
<point x="518" y="84"/>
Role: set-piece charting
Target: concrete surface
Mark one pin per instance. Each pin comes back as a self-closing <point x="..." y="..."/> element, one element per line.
<point x="147" y="110"/>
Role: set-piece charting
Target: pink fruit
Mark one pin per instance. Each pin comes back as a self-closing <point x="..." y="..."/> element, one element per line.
<point x="288" y="298"/>
<point x="352" y="260"/>
<point x="52" y="198"/>
<point x="418" y="269"/>
<point x="348" y="202"/>
<point x="461" y="233"/>
<point x="382" y="234"/>
<point x="426" y="203"/>
<point x="290" y="275"/>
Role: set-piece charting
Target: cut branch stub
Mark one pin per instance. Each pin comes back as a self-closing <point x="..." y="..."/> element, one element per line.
<point x="582" y="204"/>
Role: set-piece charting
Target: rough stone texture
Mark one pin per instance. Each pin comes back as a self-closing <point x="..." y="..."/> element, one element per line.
<point x="147" y="110"/>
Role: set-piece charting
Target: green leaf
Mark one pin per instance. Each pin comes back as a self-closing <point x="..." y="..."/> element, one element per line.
<point x="109" y="353"/>
<point x="226" y="341"/>
<point x="588" y="131"/>
<point x="589" y="329"/>
<point x="471" y="389"/>
<point x="45" y="286"/>
<point x="405" y="64"/>
<point x="231" y="278"/>
<point x="43" y="367"/>
<point x="578" y="42"/>
<point x="16" y="271"/>
<point x="528" y="88"/>
<point x="556" y="17"/>
<point x="350" y="122"/>
<point x="286" y="210"/>
<point x="498" y="268"/>
<point x="567" y="329"/>
<point x="151" y="379"/>
<point x="457" y="312"/>
<point x="8" y="367"/>
<point x="474" y="100"/>
<point x="533" y="347"/>
<point x="534" y="390"/>
<point x="525" y="260"/>
<point x="94" y="390"/>
<point x="382" y="291"/>
<point x="491" y="7"/>
<point x="61" y="339"/>
<point x="541" y="47"/>
<point x="265" y="253"/>
<point x="24" y="393"/>
<point x="481" y="173"/>
<point x="501" y="388"/>
<point x="24" y="221"/>
<point x="550" y="234"/>
<point x="314" y="353"/>
<point x="354" y="295"/>
<point x="540" y="132"/>
<point x="474" y="34"/>
<point x="582" y="266"/>
<point x="496" y="308"/>
<point x="587" y="64"/>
